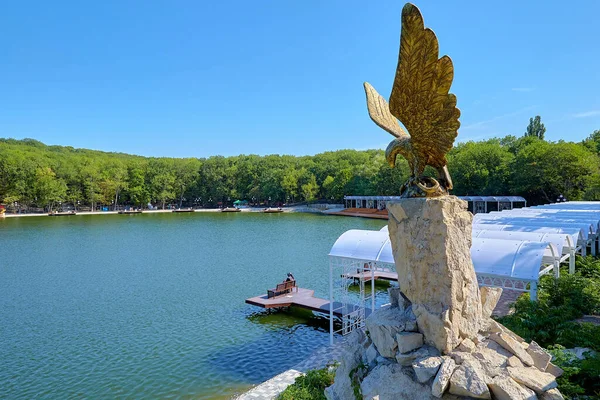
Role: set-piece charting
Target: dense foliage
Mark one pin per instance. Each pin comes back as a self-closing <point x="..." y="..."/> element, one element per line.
<point x="551" y="322"/>
<point x="310" y="386"/>
<point x="35" y="175"/>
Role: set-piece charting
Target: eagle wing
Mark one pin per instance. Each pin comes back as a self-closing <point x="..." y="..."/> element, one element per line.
<point x="420" y="96"/>
<point x="379" y="111"/>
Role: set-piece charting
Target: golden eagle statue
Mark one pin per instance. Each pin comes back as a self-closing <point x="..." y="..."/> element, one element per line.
<point x="421" y="100"/>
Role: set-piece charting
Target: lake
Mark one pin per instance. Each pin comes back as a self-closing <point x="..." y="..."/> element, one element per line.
<point x="152" y="305"/>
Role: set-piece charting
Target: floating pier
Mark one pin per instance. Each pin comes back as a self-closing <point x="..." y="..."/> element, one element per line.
<point x="377" y="275"/>
<point x="303" y="298"/>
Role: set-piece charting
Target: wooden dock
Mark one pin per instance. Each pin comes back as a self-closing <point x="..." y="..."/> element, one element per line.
<point x="377" y="275"/>
<point x="302" y="298"/>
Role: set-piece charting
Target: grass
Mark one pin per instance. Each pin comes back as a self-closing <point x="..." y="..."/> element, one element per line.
<point x="310" y="386"/>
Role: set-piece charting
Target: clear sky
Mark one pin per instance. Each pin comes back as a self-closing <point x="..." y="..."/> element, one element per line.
<point x="199" y="78"/>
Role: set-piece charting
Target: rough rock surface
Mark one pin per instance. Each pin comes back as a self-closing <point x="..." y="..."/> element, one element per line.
<point x="406" y="359"/>
<point x="431" y="240"/>
<point x="489" y="299"/>
<point x="541" y="358"/>
<point x="383" y="326"/>
<point x="554" y="370"/>
<point x="513" y="361"/>
<point x="350" y="359"/>
<point x="469" y="380"/>
<point x="513" y="346"/>
<point x="427" y="368"/>
<point x="491" y="361"/>
<point x="505" y="388"/>
<point x="442" y="379"/>
<point x="397" y="299"/>
<point x="466" y="345"/>
<point x="491" y="326"/>
<point x="391" y="382"/>
<point x="552" y="394"/>
<point x="409" y="341"/>
<point x="533" y="378"/>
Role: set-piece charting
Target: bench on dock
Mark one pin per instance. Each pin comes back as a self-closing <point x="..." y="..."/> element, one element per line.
<point x="281" y="288"/>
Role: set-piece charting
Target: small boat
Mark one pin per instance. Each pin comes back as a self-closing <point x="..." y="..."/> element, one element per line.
<point x="61" y="214"/>
<point x="130" y="212"/>
<point x="273" y="210"/>
<point x="230" y="209"/>
<point x="184" y="210"/>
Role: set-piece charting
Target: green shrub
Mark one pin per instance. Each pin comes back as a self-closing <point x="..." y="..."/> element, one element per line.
<point x="580" y="376"/>
<point x="588" y="267"/>
<point x="578" y="292"/>
<point x="551" y="323"/>
<point x="310" y="386"/>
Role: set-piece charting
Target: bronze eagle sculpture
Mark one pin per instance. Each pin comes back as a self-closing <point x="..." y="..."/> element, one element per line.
<point x="420" y="99"/>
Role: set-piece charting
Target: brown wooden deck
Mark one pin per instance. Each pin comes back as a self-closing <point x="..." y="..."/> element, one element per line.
<point x="362" y="212"/>
<point x="303" y="298"/>
<point x="366" y="276"/>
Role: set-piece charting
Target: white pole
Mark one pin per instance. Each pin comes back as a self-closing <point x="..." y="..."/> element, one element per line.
<point x="330" y="302"/>
<point x="372" y="289"/>
<point x="572" y="261"/>
<point x="533" y="291"/>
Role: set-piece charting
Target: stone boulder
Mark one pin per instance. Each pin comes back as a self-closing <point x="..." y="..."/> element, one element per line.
<point x="505" y="388"/>
<point x="409" y="341"/>
<point x="383" y="325"/>
<point x="468" y="380"/>
<point x="541" y="358"/>
<point x="397" y="299"/>
<point x="392" y="382"/>
<point x="431" y="241"/>
<point x="489" y="300"/>
<point x="552" y="394"/>
<point x="533" y="378"/>
<point x="426" y="368"/>
<point x="513" y="346"/>
<point x="442" y="379"/>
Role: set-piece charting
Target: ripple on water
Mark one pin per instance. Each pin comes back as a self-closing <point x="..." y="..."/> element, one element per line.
<point x="153" y="305"/>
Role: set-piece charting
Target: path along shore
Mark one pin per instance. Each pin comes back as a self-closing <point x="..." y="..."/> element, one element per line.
<point x="258" y="210"/>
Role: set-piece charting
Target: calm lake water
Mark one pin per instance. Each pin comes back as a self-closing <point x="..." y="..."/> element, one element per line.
<point x="152" y="305"/>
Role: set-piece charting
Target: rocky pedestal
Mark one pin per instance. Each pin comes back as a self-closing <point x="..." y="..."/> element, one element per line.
<point x="431" y="241"/>
<point x="436" y="338"/>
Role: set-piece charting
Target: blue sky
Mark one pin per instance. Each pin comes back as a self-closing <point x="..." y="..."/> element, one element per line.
<point x="200" y="78"/>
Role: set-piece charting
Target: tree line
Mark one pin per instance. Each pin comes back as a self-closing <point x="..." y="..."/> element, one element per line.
<point x="34" y="175"/>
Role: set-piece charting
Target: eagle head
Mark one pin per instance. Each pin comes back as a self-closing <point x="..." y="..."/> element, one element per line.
<point x="397" y="146"/>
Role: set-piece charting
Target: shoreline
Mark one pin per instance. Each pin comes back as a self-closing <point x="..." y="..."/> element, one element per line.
<point x="200" y="210"/>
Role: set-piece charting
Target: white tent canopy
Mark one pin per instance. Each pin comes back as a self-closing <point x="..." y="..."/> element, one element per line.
<point x="576" y="234"/>
<point x="586" y="228"/>
<point x="592" y="217"/>
<point x="516" y="262"/>
<point x="364" y="245"/>
<point x="562" y="242"/>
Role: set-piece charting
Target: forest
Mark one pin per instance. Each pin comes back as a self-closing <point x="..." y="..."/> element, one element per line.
<point x="35" y="176"/>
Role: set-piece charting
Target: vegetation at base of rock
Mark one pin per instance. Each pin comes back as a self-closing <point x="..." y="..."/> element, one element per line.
<point x="33" y="174"/>
<point x="310" y="386"/>
<point x="356" y="376"/>
<point x="551" y="323"/>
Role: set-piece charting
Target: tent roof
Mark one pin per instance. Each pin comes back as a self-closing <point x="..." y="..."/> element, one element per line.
<point x="576" y="234"/>
<point x="493" y="198"/>
<point x="364" y="245"/>
<point x="493" y="257"/>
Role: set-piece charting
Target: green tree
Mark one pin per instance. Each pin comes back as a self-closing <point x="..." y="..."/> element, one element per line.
<point x="536" y="128"/>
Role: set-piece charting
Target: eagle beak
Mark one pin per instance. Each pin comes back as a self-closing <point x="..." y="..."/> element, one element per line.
<point x="391" y="152"/>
